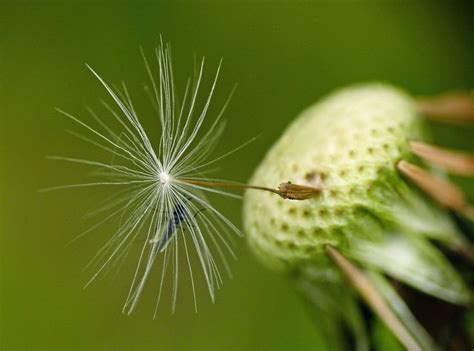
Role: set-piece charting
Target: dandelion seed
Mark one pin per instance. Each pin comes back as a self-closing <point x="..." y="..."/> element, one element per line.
<point x="297" y="192"/>
<point x="162" y="192"/>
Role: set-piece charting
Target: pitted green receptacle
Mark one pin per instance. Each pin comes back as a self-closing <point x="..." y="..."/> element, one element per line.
<point x="349" y="144"/>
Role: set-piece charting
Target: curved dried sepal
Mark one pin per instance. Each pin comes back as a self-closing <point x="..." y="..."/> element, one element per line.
<point x="452" y="161"/>
<point x="373" y="298"/>
<point x="297" y="192"/>
<point x="443" y="192"/>
<point x="451" y="107"/>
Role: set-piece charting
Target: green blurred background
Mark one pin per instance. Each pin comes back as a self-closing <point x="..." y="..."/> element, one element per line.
<point x="283" y="55"/>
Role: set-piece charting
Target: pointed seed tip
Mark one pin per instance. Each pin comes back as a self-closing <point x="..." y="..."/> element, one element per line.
<point x="441" y="191"/>
<point x="454" y="162"/>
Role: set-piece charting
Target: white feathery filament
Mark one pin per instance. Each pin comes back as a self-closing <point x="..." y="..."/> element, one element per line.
<point x="160" y="213"/>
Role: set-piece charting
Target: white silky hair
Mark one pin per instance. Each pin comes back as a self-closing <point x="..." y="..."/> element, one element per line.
<point x="153" y="184"/>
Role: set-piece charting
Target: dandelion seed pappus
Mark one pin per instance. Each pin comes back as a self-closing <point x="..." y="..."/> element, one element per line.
<point x="163" y="188"/>
<point x="160" y="189"/>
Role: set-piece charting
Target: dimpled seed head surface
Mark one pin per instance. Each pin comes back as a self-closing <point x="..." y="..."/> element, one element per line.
<point x="350" y="143"/>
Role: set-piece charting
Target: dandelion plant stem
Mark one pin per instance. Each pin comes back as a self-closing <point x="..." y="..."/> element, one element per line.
<point x="365" y="288"/>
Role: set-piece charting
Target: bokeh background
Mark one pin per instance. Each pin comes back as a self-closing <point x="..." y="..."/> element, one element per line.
<point x="283" y="55"/>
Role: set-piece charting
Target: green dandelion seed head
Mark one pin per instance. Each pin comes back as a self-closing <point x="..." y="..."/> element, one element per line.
<point x="349" y="145"/>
